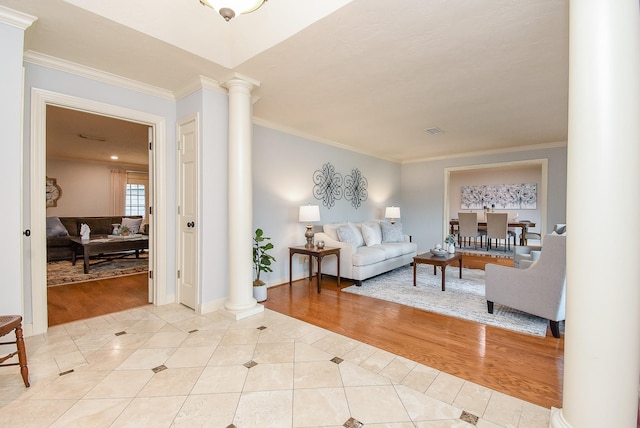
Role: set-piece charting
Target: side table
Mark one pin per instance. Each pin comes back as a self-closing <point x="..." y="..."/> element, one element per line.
<point x="319" y="254"/>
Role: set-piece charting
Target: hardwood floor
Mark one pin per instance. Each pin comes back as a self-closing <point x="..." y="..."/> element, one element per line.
<point x="82" y="300"/>
<point x="520" y="365"/>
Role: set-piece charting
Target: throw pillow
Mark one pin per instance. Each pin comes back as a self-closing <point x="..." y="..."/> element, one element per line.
<point x="132" y="223"/>
<point x="331" y="229"/>
<point x="357" y="233"/>
<point x="345" y="234"/>
<point x="391" y="232"/>
<point x="55" y="227"/>
<point x="370" y="236"/>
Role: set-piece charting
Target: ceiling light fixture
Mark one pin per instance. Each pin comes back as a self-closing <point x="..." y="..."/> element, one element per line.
<point x="91" y="137"/>
<point x="114" y="157"/>
<point x="230" y="8"/>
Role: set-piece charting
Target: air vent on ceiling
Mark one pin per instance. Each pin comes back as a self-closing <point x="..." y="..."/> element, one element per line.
<point x="434" y="131"/>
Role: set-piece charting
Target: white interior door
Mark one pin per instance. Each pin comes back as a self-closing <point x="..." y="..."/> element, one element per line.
<point x="187" y="212"/>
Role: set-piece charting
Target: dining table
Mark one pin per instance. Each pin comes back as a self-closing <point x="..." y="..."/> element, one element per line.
<point x="524" y="225"/>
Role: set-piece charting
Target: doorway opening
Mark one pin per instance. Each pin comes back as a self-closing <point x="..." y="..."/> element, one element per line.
<point x="36" y="264"/>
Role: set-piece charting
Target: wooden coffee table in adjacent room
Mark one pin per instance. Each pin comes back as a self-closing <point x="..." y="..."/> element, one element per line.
<point x="103" y="245"/>
<point x="442" y="261"/>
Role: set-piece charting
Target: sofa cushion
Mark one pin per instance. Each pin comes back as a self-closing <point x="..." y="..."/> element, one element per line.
<point x="368" y="256"/>
<point x="346" y="234"/>
<point x="396" y="249"/>
<point x="391" y="232"/>
<point x="55" y="227"/>
<point x="331" y="229"/>
<point x="132" y="223"/>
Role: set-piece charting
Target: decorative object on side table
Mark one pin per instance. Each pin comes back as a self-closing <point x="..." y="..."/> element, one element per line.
<point x="309" y="214"/>
<point x="450" y="240"/>
<point x="261" y="263"/>
<point x="320" y="245"/>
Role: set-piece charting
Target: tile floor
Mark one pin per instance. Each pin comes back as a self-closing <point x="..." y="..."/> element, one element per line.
<point x="168" y="367"/>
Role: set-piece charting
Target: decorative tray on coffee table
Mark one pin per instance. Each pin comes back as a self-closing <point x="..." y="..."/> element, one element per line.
<point x="439" y="252"/>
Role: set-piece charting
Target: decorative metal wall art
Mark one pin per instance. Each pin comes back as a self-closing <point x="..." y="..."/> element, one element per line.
<point x="328" y="185"/>
<point x="355" y="188"/>
<point x="501" y="196"/>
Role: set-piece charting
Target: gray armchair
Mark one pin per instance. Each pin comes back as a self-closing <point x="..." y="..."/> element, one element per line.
<point x="539" y="289"/>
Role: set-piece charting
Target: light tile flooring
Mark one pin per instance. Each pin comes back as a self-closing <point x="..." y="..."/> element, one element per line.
<point x="168" y="367"/>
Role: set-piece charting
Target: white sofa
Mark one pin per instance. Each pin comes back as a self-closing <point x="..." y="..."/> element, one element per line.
<point x="367" y="249"/>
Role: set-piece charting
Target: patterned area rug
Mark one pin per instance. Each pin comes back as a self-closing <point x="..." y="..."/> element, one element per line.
<point x="463" y="298"/>
<point x="63" y="272"/>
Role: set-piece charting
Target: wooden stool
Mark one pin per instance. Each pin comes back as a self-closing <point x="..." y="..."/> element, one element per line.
<point x="14" y="322"/>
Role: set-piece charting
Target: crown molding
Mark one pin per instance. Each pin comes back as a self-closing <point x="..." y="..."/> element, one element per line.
<point x="15" y="18"/>
<point x="291" y="131"/>
<point x="44" y="60"/>
<point x="492" y="152"/>
<point x="201" y="82"/>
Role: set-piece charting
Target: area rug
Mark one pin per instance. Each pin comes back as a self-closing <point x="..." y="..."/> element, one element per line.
<point x="463" y="298"/>
<point x="63" y="272"/>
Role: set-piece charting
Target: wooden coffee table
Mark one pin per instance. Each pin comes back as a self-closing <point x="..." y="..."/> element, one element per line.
<point x="103" y="244"/>
<point x="442" y="261"/>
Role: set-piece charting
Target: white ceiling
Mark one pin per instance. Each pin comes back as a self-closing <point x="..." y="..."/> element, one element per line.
<point x="370" y="75"/>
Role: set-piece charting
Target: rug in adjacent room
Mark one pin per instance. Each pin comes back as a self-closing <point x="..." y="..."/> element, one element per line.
<point x="63" y="272"/>
<point x="464" y="298"/>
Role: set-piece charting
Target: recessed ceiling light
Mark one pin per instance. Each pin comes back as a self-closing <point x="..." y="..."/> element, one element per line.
<point x="434" y="131"/>
<point x="114" y="157"/>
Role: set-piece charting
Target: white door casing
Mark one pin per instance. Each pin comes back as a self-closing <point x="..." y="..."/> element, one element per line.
<point x="37" y="164"/>
<point x="188" y="224"/>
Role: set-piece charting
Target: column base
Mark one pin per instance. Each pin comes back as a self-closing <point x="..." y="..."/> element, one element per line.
<point x="557" y="420"/>
<point x="241" y="314"/>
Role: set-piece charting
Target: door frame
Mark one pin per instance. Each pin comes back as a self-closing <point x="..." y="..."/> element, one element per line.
<point x="39" y="100"/>
<point x="543" y="164"/>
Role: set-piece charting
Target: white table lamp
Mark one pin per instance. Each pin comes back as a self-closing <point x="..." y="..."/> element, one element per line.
<point x="308" y="214"/>
<point x="392" y="213"/>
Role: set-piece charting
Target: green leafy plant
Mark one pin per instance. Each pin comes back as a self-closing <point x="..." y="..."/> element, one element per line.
<point x="261" y="258"/>
<point x="450" y="239"/>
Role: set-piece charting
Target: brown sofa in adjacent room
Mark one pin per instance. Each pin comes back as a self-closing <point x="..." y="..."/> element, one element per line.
<point x="59" y="232"/>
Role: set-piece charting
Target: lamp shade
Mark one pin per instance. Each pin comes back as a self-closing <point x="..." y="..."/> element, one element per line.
<point x="309" y="213"/>
<point x="392" y="212"/>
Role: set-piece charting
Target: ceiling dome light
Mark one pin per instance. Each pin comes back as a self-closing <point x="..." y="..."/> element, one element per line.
<point x="230" y="8"/>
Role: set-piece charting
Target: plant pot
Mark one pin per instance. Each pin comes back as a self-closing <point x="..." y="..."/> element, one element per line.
<point x="452" y="248"/>
<point x="260" y="293"/>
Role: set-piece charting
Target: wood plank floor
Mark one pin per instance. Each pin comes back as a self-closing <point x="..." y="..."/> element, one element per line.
<point x="82" y="300"/>
<point x="519" y="365"/>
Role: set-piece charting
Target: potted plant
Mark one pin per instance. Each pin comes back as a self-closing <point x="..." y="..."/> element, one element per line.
<point x="124" y="231"/>
<point x="261" y="263"/>
<point x="450" y="240"/>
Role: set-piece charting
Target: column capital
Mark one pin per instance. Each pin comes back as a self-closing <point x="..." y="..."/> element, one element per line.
<point x="237" y="79"/>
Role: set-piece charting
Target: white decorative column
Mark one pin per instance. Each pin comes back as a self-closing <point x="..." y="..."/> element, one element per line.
<point x="241" y="303"/>
<point x="602" y="342"/>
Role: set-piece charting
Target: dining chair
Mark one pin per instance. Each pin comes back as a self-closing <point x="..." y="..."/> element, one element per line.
<point x="9" y="323"/>
<point x="468" y="228"/>
<point x="497" y="229"/>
